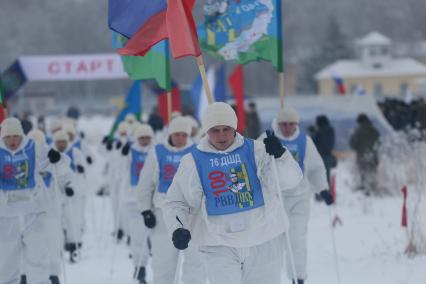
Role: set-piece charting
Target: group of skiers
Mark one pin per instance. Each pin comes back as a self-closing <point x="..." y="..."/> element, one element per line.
<point x="42" y="200"/>
<point x="219" y="206"/>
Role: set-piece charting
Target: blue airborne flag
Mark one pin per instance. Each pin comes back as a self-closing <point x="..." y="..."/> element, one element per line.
<point x="133" y="104"/>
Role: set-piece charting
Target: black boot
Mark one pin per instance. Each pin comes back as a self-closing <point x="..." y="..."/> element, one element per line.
<point x="23" y="279"/>
<point x="120" y="234"/>
<point x="54" y="279"/>
<point x="67" y="247"/>
<point x="300" y="281"/>
<point x="72" y="249"/>
<point x="141" y="275"/>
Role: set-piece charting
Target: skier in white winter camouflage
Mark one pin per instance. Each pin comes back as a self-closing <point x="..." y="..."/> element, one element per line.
<point x="240" y="235"/>
<point x="297" y="200"/>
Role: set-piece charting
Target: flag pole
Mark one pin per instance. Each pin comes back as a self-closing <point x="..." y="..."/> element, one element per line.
<point x="202" y="70"/>
<point x="169" y="105"/>
<point x="281" y="53"/>
<point x="141" y="95"/>
<point x="282" y="88"/>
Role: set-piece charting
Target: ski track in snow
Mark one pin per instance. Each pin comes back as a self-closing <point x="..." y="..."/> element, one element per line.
<point x="370" y="243"/>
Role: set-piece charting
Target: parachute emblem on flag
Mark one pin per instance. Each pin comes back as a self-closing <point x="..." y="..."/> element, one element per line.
<point x="242" y="30"/>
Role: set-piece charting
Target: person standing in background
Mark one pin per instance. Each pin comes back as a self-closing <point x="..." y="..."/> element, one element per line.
<point x="324" y="140"/>
<point x="253" y="122"/>
<point x="297" y="200"/>
<point x="364" y="142"/>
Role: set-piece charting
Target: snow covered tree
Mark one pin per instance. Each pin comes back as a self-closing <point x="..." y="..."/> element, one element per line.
<point x="402" y="165"/>
<point x="334" y="46"/>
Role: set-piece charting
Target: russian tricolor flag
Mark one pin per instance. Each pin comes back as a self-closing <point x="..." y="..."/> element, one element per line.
<point x="216" y="78"/>
<point x="340" y="85"/>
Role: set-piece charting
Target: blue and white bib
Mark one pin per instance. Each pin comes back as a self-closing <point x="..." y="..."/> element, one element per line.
<point x="168" y="163"/>
<point x="229" y="180"/>
<point x="138" y="160"/>
<point x="70" y="153"/>
<point x="77" y="144"/>
<point x="49" y="140"/>
<point x="47" y="178"/>
<point x="297" y="148"/>
<point x="17" y="170"/>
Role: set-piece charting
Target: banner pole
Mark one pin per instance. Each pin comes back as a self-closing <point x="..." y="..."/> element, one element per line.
<point x="282" y="89"/>
<point x="202" y="70"/>
<point x="169" y="105"/>
<point x="281" y="52"/>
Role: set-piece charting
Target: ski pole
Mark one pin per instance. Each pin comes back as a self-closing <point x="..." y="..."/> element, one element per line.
<point x="116" y="227"/>
<point x="144" y="248"/>
<point x="277" y="184"/>
<point x="333" y="240"/>
<point x="64" y="268"/>
<point x="56" y="188"/>
<point x="101" y="222"/>
<point x="287" y="234"/>
<point x="179" y="266"/>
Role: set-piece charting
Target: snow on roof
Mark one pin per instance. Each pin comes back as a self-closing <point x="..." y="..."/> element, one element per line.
<point x="355" y="68"/>
<point x="374" y="38"/>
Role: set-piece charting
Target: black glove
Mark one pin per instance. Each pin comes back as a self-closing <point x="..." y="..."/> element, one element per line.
<point x="149" y="219"/>
<point x="118" y="145"/>
<point x="69" y="191"/>
<point x="105" y="139"/>
<point x="181" y="238"/>
<point x="54" y="156"/>
<point x="273" y="145"/>
<point x="109" y="145"/>
<point x="80" y="169"/>
<point x="82" y="135"/>
<point x="126" y="149"/>
<point x="326" y="195"/>
<point x="89" y="160"/>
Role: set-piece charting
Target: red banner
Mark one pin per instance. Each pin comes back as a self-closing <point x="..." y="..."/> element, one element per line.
<point x="236" y="81"/>
<point x="162" y="103"/>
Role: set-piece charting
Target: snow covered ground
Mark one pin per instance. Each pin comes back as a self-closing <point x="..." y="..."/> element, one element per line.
<point x="370" y="243"/>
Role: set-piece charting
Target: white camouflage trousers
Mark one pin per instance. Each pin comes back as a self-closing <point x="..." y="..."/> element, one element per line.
<point x="298" y="210"/>
<point x="252" y="265"/>
<point x="165" y="257"/>
<point x="24" y="236"/>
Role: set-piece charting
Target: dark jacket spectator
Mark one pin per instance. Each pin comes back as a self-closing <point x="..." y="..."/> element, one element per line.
<point x="253" y="128"/>
<point x="27" y="125"/>
<point x="155" y="120"/>
<point x="421" y="116"/>
<point x="324" y="140"/>
<point x="364" y="142"/>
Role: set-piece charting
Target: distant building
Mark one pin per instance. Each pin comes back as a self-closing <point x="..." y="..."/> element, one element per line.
<point x="375" y="71"/>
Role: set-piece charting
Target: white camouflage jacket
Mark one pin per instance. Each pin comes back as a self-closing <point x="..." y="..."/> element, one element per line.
<point x="186" y="201"/>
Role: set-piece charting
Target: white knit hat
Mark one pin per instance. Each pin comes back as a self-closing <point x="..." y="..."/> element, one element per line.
<point x="11" y="126"/>
<point x="175" y="114"/>
<point x="60" y="135"/>
<point x="180" y="124"/>
<point x="288" y="115"/>
<point x="143" y="130"/>
<point x="122" y="127"/>
<point x="55" y="125"/>
<point x="192" y="121"/>
<point x="69" y="128"/>
<point x="130" y="118"/>
<point x="69" y="120"/>
<point x="219" y="113"/>
<point x="38" y="136"/>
